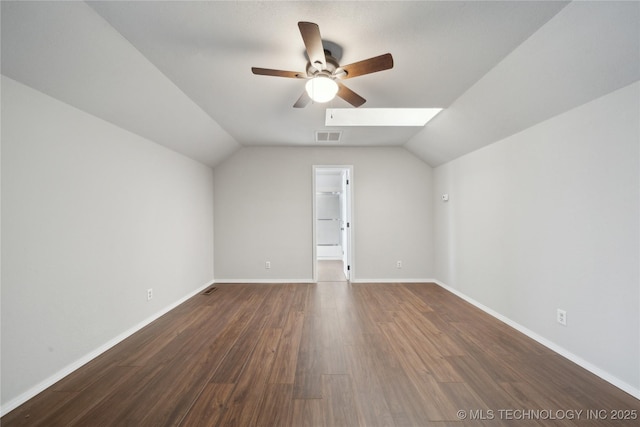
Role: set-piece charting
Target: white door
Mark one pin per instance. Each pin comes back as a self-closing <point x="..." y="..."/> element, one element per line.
<point x="346" y="222"/>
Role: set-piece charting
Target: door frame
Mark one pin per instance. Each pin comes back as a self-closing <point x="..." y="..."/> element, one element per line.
<point x="349" y="243"/>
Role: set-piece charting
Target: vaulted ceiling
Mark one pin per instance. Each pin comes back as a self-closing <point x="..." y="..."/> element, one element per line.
<point x="179" y="73"/>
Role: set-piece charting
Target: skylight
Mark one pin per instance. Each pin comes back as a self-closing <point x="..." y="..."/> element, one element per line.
<point x="379" y="116"/>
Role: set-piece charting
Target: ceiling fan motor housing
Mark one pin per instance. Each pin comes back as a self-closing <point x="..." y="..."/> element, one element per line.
<point x="332" y="69"/>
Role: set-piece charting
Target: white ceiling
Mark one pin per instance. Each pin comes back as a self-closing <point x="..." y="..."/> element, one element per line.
<point x="179" y="73"/>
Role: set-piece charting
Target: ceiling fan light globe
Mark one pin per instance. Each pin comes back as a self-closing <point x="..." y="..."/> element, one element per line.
<point x="321" y="88"/>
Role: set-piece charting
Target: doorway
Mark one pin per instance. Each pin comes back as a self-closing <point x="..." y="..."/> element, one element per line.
<point x="332" y="225"/>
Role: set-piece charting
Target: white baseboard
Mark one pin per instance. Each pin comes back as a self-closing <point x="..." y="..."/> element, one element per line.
<point x="622" y="385"/>
<point x="265" y="281"/>
<point x="43" y="385"/>
<point x="403" y="280"/>
<point x="308" y="280"/>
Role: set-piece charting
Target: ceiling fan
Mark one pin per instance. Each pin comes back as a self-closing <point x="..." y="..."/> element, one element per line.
<point x="323" y="72"/>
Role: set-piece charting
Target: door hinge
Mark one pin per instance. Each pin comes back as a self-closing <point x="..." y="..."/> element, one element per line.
<point x="348" y="225"/>
<point x="348" y="268"/>
<point x="347" y="182"/>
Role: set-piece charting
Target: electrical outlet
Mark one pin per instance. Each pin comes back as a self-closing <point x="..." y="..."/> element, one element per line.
<point x="149" y="294"/>
<point x="398" y="264"/>
<point x="561" y="317"/>
<point x="267" y="265"/>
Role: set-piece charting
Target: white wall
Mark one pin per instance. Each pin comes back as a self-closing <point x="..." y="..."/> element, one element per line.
<point x="92" y="216"/>
<point x="263" y="212"/>
<point x="547" y="219"/>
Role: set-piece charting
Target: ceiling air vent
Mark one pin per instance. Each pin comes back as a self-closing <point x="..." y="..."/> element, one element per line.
<point x="328" y="136"/>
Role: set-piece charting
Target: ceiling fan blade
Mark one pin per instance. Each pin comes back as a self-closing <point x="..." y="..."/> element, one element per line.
<point x="302" y="101"/>
<point x="278" y="73"/>
<point x="313" y="42"/>
<point x="350" y="96"/>
<point x="368" y="66"/>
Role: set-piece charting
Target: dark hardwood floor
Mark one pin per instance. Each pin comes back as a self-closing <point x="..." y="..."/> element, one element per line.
<point x="328" y="354"/>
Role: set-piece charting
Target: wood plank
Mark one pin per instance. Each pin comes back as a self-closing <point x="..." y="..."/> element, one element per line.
<point x="165" y="339"/>
<point x="209" y="405"/>
<point x="300" y="297"/>
<point x="460" y="397"/>
<point x="67" y="413"/>
<point x="418" y="372"/>
<point x="186" y="376"/>
<point x="282" y="303"/>
<point x="477" y="377"/>
<point x="240" y="339"/>
<point x="193" y="314"/>
<point x="113" y="409"/>
<point x="440" y="337"/>
<point x="372" y="308"/>
<point x="276" y="408"/>
<point x="338" y="401"/>
<point x="284" y="369"/>
<point x="332" y="344"/>
<point x="404" y="400"/>
<point x="370" y="401"/>
<point x="307" y="413"/>
<point x="307" y="382"/>
<point x="37" y="410"/>
<point x="242" y="407"/>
